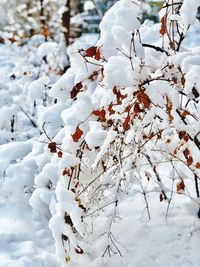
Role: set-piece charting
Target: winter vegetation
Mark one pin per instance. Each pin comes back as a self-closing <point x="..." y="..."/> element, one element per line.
<point x="99" y="133"/>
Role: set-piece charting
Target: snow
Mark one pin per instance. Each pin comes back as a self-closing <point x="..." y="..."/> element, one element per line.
<point x="18" y="242"/>
<point x="59" y="210"/>
<point x="96" y="136"/>
<point x="47" y="48"/>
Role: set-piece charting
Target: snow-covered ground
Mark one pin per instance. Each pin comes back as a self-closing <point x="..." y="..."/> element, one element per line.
<point x="20" y="246"/>
<point x="159" y="242"/>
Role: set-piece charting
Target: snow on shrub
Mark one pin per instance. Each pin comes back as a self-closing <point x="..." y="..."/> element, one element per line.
<point x="128" y="106"/>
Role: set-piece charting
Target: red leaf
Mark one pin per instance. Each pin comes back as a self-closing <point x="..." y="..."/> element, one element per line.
<point x="197" y="165"/>
<point x="111" y="110"/>
<point x="128" y="108"/>
<point x="186" y="153"/>
<point x="180" y="187"/>
<point x="182" y="134"/>
<point x="77" y="135"/>
<point x="60" y="154"/>
<point x="119" y="95"/>
<point x="126" y="122"/>
<point x="76" y="89"/>
<point x="97" y="54"/>
<point x="190" y="160"/>
<point x="100" y="113"/>
<point x="66" y="172"/>
<point x="186" y="138"/>
<point x="169" y="107"/>
<point x="151" y="135"/>
<point x="136" y="108"/>
<point x="52" y="147"/>
<point x="79" y="86"/>
<point x="91" y="51"/>
<point x="183" y="81"/>
<point x="163" y="29"/>
<point x="144" y="99"/>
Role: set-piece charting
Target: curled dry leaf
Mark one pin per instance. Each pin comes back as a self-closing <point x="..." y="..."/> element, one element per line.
<point x="77" y="135"/>
<point x="126" y="123"/>
<point x="94" y="52"/>
<point x="163" y="28"/>
<point x="60" y="154"/>
<point x="161" y="197"/>
<point x="197" y="165"/>
<point x="76" y="89"/>
<point x="52" y="147"/>
<point x="100" y="113"/>
<point x="180" y="187"/>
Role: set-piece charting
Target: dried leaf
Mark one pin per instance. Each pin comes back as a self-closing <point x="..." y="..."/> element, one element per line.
<point x="161" y="197"/>
<point x="119" y="95"/>
<point x="79" y="250"/>
<point x="60" y="154"/>
<point x="126" y="123"/>
<point x="76" y="89"/>
<point x="186" y="153"/>
<point x="77" y="135"/>
<point x="100" y="113"/>
<point x="66" y="172"/>
<point x="52" y="147"/>
<point x="45" y="32"/>
<point x="163" y="28"/>
<point x="136" y="108"/>
<point x="111" y="110"/>
<point x="180" y="187"/>
<point x="93" y="76"/>
<point x="91" y="51"/>
<point x="144" y="99"/>
<point x="183" y="81"/>
<point x="190" y="160"/>
<point x="97" y="54"/>
<point x="169" y="109"/>
<point x="197" y="165"/>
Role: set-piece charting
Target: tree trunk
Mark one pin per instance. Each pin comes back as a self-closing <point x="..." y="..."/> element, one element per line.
<point x="66" y="22"/>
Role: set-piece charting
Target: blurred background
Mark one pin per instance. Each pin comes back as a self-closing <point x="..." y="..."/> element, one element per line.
<point x="51" y="18"/>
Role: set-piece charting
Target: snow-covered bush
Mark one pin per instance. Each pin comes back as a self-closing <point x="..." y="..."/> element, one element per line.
<point x="129" y="106"/>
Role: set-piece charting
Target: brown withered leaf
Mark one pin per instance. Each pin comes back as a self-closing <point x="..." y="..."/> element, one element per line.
<point x="126" y="123"/>
<point x="79" y="250"/>
<point x="111" y="110"/>
<point x="186" y="153"/>
<point x="66" y="172"/>
<point x="52" y="147"/>
<point x="100" y="113"/>
<point x="93" y="76"/>
<point x="97" y="54"/>
<point x="197" y="165"/>
<point x="161" y="197"/>
<point x="163" y="28"/>
<point x="91" y="51"/>
<point x="136" y="108"/>
<point x="60" y="154"/>
<point x="180" y="187"/>
<point x="189" y="160"/>
<point x="76" y="89"/>
<point x="77" y="135"/>
<point x="144" y="99"/>
<point x="169" y="107"/>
